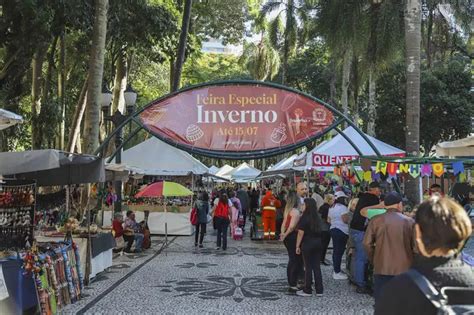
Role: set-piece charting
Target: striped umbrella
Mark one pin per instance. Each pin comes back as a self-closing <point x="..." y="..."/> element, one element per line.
<point x="164" y="189"/>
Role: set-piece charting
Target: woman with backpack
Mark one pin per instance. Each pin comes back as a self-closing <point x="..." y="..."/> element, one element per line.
<point x="222" y="218"/>
<point x="309" y="243"/>
<point x="202" y="210"/>
<point x="441" y="229"/>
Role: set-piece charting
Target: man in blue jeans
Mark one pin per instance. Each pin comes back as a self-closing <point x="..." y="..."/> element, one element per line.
<point x="357" y="232"/>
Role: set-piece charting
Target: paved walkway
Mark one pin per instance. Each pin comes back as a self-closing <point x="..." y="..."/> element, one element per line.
<point x="249" y="278"/>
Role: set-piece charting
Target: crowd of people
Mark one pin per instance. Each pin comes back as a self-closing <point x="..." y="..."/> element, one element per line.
<point x="384" y="245"/>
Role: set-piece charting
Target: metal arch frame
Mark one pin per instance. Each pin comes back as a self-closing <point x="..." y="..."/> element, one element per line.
<point x="250" y="154"/>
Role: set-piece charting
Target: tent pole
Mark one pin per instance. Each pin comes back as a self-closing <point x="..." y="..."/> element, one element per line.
<point x="67" y="200"/>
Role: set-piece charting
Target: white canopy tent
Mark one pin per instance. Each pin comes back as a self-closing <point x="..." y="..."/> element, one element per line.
<point x="457" y="148"/>
<point x="156" y="157"/>
<point x="244" y="173"/>
<point x="284" y="164"/>
<point x="225" y="171"/>
<point x="213" y="170"/>
<point x="338" y="149"/>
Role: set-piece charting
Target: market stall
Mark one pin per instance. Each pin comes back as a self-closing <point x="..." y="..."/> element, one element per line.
<point x="164" y="205"/>
<point x="53" y="169"/>
<point x="348" y="145"/>
<point x="33" y="274"/>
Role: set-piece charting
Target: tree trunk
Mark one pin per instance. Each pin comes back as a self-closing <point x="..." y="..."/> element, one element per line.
<point x="346" y="73"/>
<point x="36" y="84"/>
<point x="182" y="45"/>
<point x="172" y="72"/>
<point x="354" y="91"/>
<point x="332" y="83"/>
<point x="120" y="82"/>
<point x="96" y="71"/>
<point x="372" y="110"/>
<point x="62" y="90"/>
<point x="77" y="120"/>
<point x="412" y="51"/>
<point x="286" y="44"/>
<point x="49" y="71"/>
<point x="428" y="39"/>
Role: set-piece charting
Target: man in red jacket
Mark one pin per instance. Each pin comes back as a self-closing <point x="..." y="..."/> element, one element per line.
<point x="269" y="205"/>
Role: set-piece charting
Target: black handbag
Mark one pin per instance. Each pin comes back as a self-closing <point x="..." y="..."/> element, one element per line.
<point x="440" y="299"/>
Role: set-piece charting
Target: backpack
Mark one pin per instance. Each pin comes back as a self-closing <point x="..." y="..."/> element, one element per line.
<point x="194" y="216"/>
<point x="440" y="299"/>
<point x="222" y="211"/>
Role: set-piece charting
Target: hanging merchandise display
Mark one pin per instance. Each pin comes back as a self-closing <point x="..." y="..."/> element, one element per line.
<point x="17" y="208"/>
<point x="55" y="268"/>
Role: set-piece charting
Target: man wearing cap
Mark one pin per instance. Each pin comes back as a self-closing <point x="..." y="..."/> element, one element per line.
<point x="389" y="242"/>
<point x="357" y="231"/>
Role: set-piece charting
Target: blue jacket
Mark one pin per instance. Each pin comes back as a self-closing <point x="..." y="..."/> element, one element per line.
<point x="202" y="211"/>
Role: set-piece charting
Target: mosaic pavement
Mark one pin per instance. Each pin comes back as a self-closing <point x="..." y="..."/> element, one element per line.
<point x="248" y="278"/>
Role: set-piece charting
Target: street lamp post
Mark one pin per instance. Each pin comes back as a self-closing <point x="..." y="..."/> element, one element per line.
<point x="117" y="119"/>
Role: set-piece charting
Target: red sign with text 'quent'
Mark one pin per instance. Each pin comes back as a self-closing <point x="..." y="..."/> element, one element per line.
<point x="230" y="119"/>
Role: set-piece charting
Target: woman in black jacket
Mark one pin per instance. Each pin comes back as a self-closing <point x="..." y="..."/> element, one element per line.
<point x="325" y="236"/>
<point x="441" y="229"/>
<point x="202" y="207"/>
<point x="309" y="244"/>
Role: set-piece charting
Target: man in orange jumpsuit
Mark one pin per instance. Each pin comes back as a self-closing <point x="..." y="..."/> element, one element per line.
<point x="269" y="205"/>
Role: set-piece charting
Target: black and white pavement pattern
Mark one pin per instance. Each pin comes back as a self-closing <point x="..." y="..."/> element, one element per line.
<point x="248" y="278"/>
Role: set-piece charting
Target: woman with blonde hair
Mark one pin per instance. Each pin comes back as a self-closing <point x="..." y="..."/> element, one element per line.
<point x="291" y="216"/>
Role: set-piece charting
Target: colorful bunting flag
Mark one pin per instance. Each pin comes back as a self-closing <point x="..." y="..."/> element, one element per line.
<point x="366" y="164"/>
<point x="392" y="169"/>
<point x="368" y="176"/>
<point x="426" y="170"/>
<point x="414" y="170"/>
<point x="376" y="176"/>
<point x="381" y="167"/>
<point x="458" y="167"/>
<point x="404" y="168"/>
<point x="438" y="169"/>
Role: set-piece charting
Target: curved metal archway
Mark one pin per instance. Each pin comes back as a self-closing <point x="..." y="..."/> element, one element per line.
<point x="340" y="118"/>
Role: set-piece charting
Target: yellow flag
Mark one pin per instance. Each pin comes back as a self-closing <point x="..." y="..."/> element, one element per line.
<point x="381" y="167"/>
<point x="368" y="176"/>
<point x="438" y="169"/>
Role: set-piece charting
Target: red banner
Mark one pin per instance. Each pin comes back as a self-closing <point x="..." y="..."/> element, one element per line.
<point x="331" y="160"/>
<point x="237" y="119"/>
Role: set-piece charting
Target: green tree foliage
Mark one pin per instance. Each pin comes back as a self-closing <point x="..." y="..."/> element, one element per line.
<point x="261" y="59"/>
<point x="310" y="71"/>
<point x="446" y="104"/>
<point x="207" y="67"/>
<point x="221" y="19"/>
